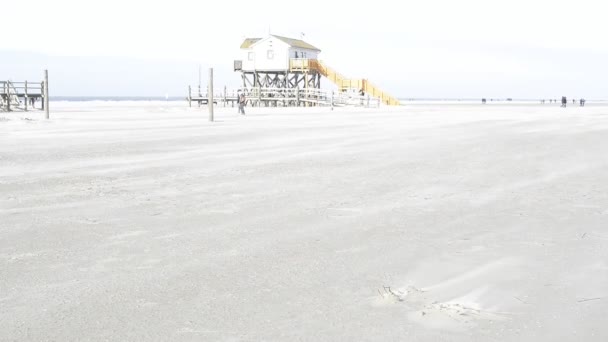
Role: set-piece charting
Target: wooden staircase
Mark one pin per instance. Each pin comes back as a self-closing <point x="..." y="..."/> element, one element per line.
<point x="343" y="83"/>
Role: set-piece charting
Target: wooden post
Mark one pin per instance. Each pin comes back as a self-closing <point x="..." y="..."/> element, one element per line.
<point x="200" y="95"/>
<point x="210" y="94"/>
<point x="306" y="89"/>
<point x="190" y="96"/>
<point x="367" y="100"/>
<point x="25" y="94"/>
<point x="46" y="94"/>
<point x="332" y="100"/>
<point x="297" y="96"/>
<point x="225" y="97"/>
<point x="259" y="96"/>
<point x="7" y="87"/>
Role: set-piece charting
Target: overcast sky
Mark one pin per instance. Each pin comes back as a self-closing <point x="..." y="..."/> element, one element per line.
<point x="466" y="48"/>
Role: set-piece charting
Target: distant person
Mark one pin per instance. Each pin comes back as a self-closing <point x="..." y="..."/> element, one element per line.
<point x="32" y="102"/>
<point x="564" y="101"/>
<point x="582" y="101"/>
<point x="573" y="101"/>
<point x="483" y="101"/>
<point x="242" y="100"/>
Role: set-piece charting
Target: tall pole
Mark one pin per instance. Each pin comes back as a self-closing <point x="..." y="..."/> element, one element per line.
<point x="210" y="94"/>
<point x="46" y="94"/>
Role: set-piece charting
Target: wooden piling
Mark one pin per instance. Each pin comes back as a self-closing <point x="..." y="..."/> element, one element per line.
<point x="190" y="96"/>
<point x="46" y="94"/>
<point x="200" y="95"/>
<point x="7" y="88"/>
<point x="225" y="97"/>
<point x="259" y="96"/>
<point x="210" y="94"/>
<point x="306" y="89"/>
<point x="25" y="94"/>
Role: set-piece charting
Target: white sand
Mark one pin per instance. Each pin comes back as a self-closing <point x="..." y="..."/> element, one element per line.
<point x="143" y="221"/>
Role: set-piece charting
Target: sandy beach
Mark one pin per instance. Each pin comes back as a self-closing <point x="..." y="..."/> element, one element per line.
<point x="144" y="221"/>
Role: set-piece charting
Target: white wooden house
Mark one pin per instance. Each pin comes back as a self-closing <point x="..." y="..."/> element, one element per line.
<point x="273" y="53"/>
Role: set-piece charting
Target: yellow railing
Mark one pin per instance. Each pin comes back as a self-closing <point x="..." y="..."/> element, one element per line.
<point x="299" y="64"/>
<point x="343" y="83"/>
<point x="385" y="97"/>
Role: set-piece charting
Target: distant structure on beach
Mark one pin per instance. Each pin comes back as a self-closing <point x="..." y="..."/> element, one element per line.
<point x="277" y="62"/>
<point x="23" y="96"/>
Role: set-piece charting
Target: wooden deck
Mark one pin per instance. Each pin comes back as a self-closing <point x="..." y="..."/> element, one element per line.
<point x="22" y="95"/>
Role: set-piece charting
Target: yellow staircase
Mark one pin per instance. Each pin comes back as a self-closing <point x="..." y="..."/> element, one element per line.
<point x="343" y="83"/>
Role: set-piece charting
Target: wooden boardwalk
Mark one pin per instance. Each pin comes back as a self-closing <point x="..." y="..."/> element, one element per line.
<point x="286" y="97"/>
<point x="226" y="98"/>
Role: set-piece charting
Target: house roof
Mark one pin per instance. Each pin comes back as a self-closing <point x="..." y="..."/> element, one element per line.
<point x="290" y="41"/>
<point x="249" y="41"/>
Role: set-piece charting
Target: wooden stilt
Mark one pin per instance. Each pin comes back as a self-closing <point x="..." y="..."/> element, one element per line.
<point x="46" y="94"/>
<point x="210" y="94"/>
<point x="25" y="95"/>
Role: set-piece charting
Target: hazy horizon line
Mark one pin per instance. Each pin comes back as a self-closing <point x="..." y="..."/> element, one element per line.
<point x="401" y="98"/>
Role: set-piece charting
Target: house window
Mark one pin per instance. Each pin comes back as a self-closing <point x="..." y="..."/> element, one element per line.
<point x="270" y="54"/>
<point x="303" y="54"/>
<point x="251" y="56"/>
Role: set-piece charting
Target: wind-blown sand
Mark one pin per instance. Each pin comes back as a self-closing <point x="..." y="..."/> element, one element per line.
<point x="143" y="221"/>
